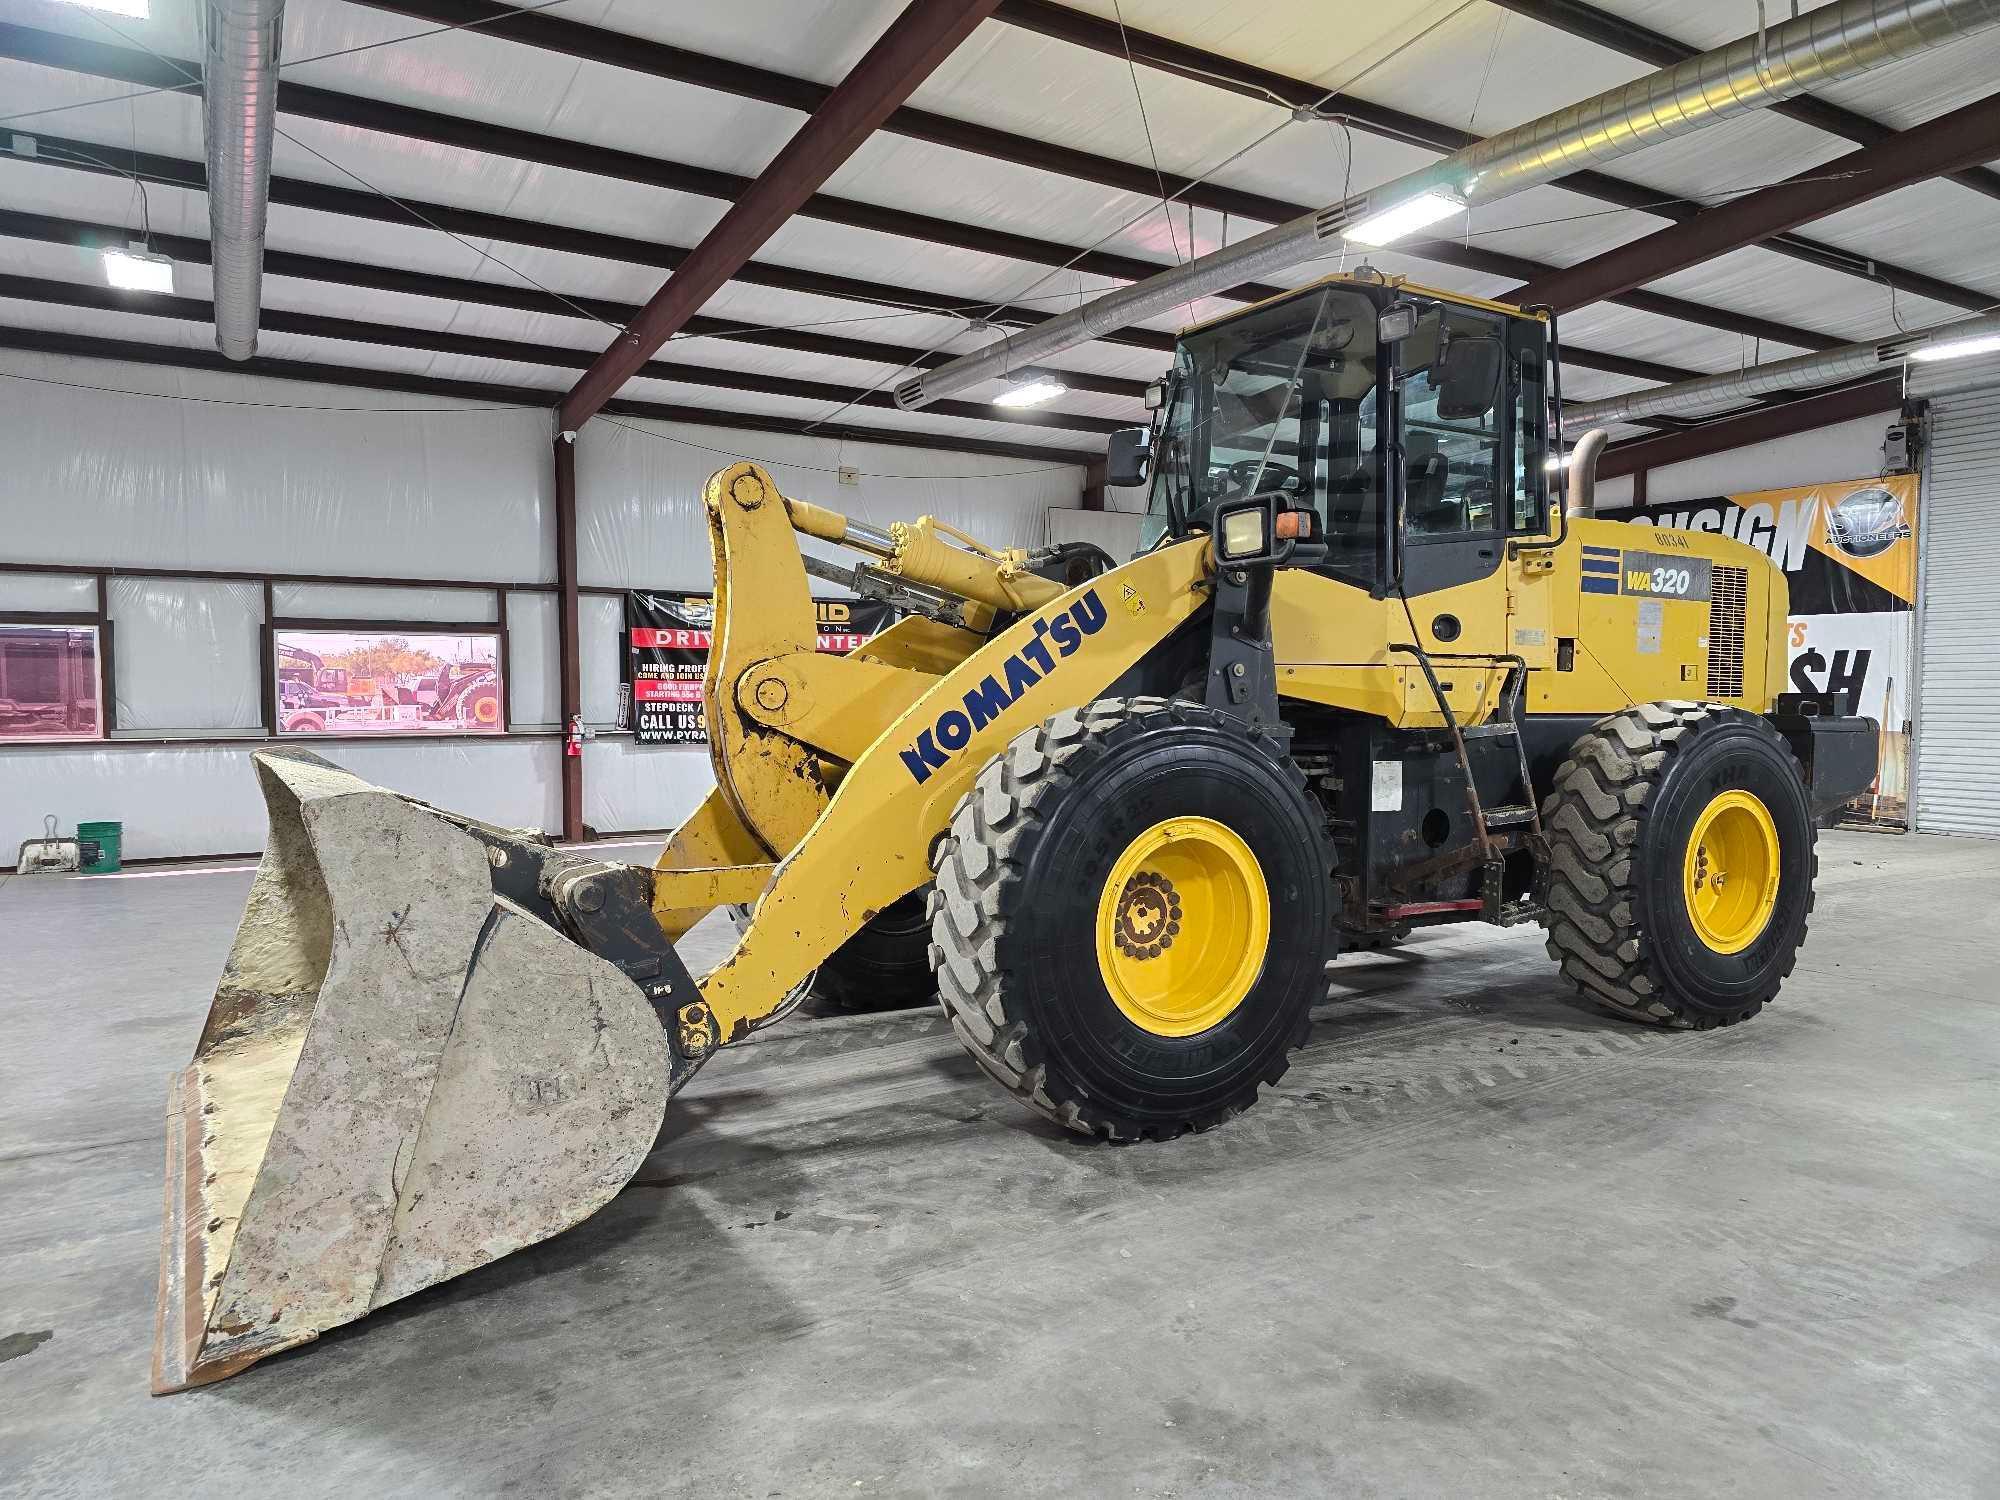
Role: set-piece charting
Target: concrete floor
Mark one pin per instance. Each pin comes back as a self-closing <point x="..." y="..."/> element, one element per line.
<point x="1480" y="1242"/>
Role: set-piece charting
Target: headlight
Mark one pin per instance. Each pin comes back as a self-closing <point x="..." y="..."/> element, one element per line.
<point x="1243" y="533"/>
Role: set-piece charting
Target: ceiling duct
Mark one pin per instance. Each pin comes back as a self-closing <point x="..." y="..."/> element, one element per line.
<point x="239" y="105"/>
<point x="1715" y="393"/>
<point x="1834" y="42"/>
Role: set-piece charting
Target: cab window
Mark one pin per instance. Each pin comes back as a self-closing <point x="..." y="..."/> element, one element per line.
<point x="1454" y="443"/>
<point x="1531" y="408"/>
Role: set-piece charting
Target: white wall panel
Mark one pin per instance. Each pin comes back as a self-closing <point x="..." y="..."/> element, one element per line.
<point x="600" y="619"/>
<point x="628" y="786"/>
<point x="47" y="591"/>
<point x="639" y="521"/>
<point x="1839" y="452"/>
<point x="534" y="676"/>
<point x="433" y="489"/>
<point x="184" y="653"/>
<point x="177" y="801"/>
<point x="343" y="601"/>
<point x="1116" y="531"/>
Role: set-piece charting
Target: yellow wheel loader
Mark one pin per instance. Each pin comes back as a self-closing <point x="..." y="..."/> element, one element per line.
<point x="1362" y="676"/>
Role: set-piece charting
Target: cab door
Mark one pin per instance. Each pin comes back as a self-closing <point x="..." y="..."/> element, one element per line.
<point x="1471" y="446"/>
<point x="1453" y="417"/>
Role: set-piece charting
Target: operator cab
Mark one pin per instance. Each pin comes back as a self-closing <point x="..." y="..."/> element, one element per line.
<point x="1414" y="426"/>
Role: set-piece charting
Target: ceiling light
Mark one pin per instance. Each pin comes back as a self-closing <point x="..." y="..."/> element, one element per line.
<point x="1403" y="218"/>
<point x="1033" y="393"/>
<point x="1986" y="343"/>
<point x="1553" y="462"/>
<point x="138" y="271"/>
<point x="138" y="10"/>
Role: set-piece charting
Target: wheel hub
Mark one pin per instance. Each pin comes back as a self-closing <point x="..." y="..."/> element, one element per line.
<point x="1183" y="923"/>
<point x="1149" y="915"/>
<point x="1730" y="877"/>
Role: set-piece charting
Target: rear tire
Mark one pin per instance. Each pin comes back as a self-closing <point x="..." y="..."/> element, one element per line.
<point x="886" y="965"/>
<point x="1090" y="846"/>
<point x="1647" y="811"/>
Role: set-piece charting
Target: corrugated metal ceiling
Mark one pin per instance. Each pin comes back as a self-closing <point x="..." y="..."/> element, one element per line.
<point x="1466" y="66"/>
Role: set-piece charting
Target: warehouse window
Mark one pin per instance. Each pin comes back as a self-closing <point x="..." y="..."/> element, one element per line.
<point x="50" y="685"/>
<point x="388" y="680"/>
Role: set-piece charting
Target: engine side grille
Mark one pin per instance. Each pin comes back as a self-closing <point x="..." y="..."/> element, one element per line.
<point x="1729" y="594"/>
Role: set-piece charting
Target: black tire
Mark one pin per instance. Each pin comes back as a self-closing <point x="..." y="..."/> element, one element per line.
<point x="1619" y="821"/>
<point x="1019" y="875"/>
<point x="887" y="964"/>
<point x="884" y="966"/>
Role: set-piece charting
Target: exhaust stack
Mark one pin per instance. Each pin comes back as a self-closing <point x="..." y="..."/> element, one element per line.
<point x="1582" y="497"/>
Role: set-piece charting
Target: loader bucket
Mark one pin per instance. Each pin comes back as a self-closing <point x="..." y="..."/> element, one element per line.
<point x="403" y="1076"/>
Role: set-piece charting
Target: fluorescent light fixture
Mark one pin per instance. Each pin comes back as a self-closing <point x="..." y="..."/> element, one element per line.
<point x="1034" y="393"/>
<point x="1407" y="217"/>
<point x="138" y="271"/>
<point x="138" y="10"/>
<point x="1986" y="343"/>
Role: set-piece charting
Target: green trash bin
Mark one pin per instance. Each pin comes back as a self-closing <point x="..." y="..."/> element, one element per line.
<point x="108" y="837"/>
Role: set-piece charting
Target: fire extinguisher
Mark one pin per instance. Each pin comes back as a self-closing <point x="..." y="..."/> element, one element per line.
<point x="573" y="741"/>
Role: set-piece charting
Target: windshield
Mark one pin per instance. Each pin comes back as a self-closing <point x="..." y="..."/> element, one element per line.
<point x="1282" y="399"/>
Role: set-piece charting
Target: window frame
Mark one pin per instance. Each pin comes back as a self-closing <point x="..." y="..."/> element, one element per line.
<point x="100" y="648"/>
<point x="497" y="629"/>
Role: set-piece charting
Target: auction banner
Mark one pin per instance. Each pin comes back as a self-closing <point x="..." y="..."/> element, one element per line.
<point x="666" y="656"/>
<point x="1849" y="551"/>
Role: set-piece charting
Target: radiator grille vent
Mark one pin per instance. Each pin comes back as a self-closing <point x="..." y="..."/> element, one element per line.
<point x="1725" y="631"/>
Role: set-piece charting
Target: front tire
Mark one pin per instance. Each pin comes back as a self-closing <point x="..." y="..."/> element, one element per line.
<point x="1130" y="917"/>
<point x="1681" y="864"/>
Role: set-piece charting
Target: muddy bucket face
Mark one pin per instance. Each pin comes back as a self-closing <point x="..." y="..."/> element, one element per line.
<point x="402" y="1077"/>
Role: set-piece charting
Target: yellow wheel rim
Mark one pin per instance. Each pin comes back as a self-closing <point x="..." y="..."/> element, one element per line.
<point x="1183" y="922"/>
<point x="1730" y="872"/>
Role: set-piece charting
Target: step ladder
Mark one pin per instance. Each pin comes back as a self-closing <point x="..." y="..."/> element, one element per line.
<point x="1497" y="830"/>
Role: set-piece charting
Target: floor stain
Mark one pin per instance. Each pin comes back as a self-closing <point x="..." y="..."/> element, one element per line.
<point x="1426" y="1398"/>
<point x="1723" y="1308"/>
<point x="14" y="1345"/>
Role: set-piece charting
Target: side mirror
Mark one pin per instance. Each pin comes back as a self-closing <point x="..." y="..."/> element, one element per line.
<point x="1467" y="377"/>
<point x="1419" y="351"/>
<point x="1128" y="456"/>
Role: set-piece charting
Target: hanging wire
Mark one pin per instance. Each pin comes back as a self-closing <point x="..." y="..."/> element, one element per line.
<point x="1152" y="150"/>
<point x="333" y="379"/>
<point x="1294" y="114"/>
<point x="1493" y="51"/>
<point x="381" y="193"/>
<point x="285" y="67"/>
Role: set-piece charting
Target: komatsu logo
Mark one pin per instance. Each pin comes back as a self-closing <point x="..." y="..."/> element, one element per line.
<point x="997" y="691"/>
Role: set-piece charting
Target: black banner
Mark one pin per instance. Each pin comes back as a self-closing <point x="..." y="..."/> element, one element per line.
<point x="666" y="656"/>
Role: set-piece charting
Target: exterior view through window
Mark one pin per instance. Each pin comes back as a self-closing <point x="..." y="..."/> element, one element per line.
<point x="50" y="686"/>
<point x="377" y="682"/>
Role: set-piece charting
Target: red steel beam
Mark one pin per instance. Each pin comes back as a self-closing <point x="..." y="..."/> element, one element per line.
<point x="923" y="36"/>
<point x="569" y="650"/>
<point x="1782" y="419"/>
<point x="1933" y="149"/>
